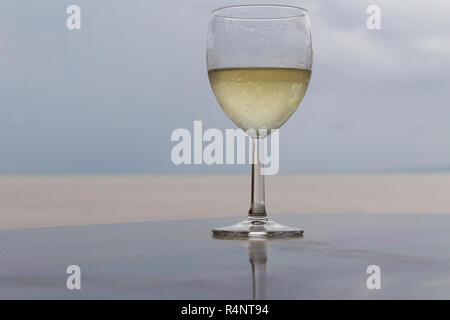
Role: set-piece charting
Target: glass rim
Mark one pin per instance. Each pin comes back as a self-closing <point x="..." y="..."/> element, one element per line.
<point x="216" y="12"/>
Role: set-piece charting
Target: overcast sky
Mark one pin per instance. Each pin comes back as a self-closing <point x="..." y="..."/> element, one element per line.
<point x="105" y="99"/>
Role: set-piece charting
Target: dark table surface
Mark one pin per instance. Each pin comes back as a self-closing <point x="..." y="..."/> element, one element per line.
<point x="180" y="260"/>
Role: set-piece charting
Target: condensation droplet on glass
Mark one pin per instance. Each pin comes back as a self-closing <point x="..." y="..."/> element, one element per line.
<point x="250" y="28"/>
<point x="239" y="80"/>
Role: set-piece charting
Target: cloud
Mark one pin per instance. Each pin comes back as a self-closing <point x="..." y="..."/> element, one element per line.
<point x="105" y="99"/>
<point x="437" y="45"/>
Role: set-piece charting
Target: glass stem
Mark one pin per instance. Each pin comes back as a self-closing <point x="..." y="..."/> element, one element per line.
<point x="258" y="208"/>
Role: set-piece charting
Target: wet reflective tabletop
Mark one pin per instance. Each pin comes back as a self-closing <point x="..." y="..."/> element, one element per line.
<point x="181" y="260"/>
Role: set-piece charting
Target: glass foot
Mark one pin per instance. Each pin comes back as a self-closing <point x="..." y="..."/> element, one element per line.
<point x="256" y="228"/>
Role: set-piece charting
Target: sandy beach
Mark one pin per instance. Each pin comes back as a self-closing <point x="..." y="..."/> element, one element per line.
<point x="44" y="201"/>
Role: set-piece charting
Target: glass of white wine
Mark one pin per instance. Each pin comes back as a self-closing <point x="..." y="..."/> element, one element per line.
<point x="259" y="60"/>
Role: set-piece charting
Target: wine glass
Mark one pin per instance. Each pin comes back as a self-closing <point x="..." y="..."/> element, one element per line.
<point x="259" y="60"/>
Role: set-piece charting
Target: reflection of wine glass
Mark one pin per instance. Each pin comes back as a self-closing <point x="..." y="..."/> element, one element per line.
<point x="257" y="255"/>
<point x="259" y="60"/>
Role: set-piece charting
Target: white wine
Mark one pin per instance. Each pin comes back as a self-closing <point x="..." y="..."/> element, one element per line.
<point x="259" y="98"/>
